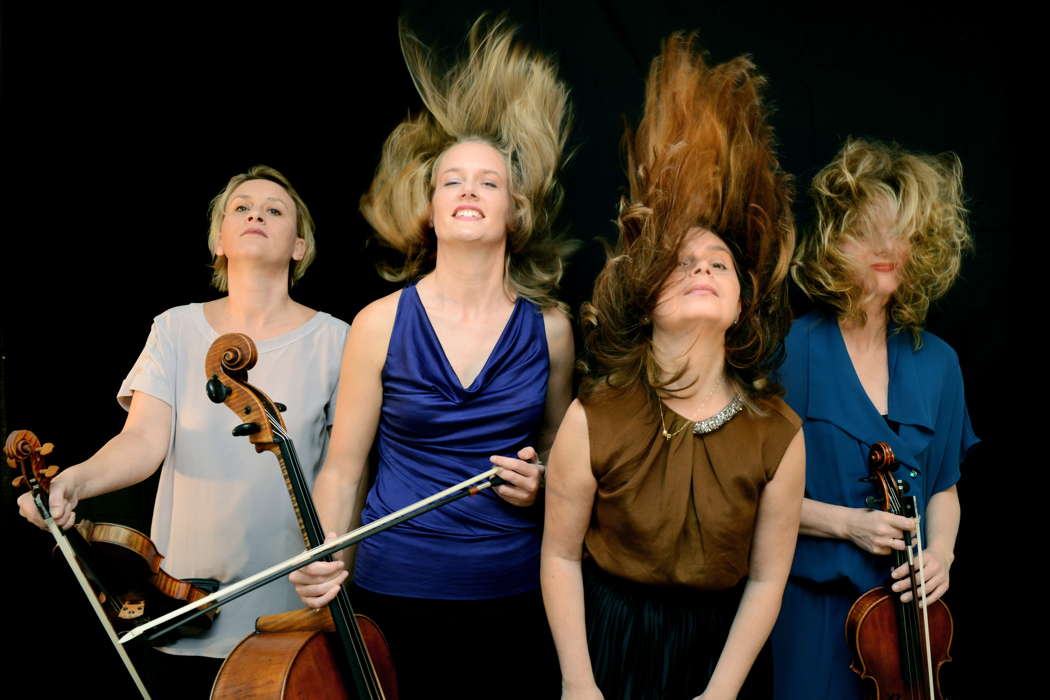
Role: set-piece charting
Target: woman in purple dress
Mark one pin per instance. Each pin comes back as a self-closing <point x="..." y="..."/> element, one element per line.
<point x="467" y="367"/>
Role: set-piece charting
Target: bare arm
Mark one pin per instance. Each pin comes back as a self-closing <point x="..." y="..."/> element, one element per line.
<point x="874" y="531"/>
<point x="356" y="418"/>
<point x="570" y="495"/>
<point x="772" y="550"/>
<point x="128" y="458"/>
<point x="525" y="474"/>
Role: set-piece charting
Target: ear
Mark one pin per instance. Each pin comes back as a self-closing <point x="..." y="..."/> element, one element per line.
<point x="218" y="252"/>
<point x="299" y="251"/>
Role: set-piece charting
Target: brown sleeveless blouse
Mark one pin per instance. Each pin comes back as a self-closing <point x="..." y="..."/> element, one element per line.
<point x="679" y="512"/>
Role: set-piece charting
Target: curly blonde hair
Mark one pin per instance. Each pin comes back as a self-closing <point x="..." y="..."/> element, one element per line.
<point x="304" y="224"/>
<point x="702" y="156"/>
<point x="502" y="94"/>
<point x="925" y="196"/>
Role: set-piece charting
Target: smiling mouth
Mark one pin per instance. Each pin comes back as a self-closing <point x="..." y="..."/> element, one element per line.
<point x="884" y="267"/>
<point x="467" y="213"/>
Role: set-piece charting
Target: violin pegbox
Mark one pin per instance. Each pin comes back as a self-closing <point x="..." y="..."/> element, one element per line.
<point x="24" y="452"/>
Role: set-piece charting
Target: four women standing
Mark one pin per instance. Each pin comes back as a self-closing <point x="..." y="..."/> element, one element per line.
<point x="676" y="479"/>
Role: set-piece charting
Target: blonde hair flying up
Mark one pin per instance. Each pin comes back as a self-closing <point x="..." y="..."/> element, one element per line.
<point x="502" y="94"/>
<point x="702" y="156"/>
<point x="925" y="195"/>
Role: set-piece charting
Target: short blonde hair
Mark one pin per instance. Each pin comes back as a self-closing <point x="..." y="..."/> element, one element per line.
<point x="505" y="95"/>
<point x="925" y="195"/>
<point x="304" y="224"/>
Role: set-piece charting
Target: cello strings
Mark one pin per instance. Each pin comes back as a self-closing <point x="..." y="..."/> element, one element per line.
<point x="348" y="632"/>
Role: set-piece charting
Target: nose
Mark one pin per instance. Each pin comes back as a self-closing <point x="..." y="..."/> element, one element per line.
<point x="702" y="267"/>
<point x="255" y="215"/>
<point x="467" y="192"/>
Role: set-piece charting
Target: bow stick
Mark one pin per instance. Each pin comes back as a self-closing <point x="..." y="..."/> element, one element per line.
<point x="468" y="487"/>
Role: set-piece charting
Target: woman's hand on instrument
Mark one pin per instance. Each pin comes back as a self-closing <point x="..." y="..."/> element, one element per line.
<point x="524" y="477"/>
<point x="318" y="583"/>
<point x="62" y="499"/>
<point x="877" y="531"/>
<point x="936" y="566"/>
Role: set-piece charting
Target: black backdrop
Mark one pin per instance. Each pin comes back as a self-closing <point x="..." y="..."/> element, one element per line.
<point x="120" y="125"/>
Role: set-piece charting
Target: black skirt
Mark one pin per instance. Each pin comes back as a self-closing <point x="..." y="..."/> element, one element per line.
<point x="660" y="642"/>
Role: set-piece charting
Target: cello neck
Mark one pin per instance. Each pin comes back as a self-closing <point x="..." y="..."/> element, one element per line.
<point x="358" y="663"/>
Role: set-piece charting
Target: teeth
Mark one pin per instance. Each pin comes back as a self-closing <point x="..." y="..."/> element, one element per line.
<point x="468" y="213"/>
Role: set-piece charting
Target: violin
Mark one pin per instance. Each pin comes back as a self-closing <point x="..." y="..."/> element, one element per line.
<point x="898" y="648"/>
<point x="122" y="564"/>
<point x="291" y="655"/>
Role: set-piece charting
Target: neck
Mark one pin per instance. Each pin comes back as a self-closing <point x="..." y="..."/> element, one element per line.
<point x="469" y="277"/>
<point x="872" y="332"/>
<point x="701" y="352"/>
<point x="257" y="299"/>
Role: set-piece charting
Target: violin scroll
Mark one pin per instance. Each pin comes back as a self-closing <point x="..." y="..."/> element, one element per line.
<point x="24" y="451"/>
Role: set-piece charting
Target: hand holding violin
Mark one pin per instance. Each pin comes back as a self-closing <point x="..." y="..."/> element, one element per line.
<point x="937" y="566"/>
<point x="62" y="500"/>
<point x="877" y="531"/>
<point x="524" y="477"/>
<point x="318" y="584"/>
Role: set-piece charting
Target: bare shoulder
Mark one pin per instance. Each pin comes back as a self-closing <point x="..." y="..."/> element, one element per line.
<point x="558" y="329"/>
<point x="370" y="332"/>
<point x="575" y="421"/>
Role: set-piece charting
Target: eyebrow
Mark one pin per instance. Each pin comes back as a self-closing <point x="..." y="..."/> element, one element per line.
<point x="715" y="246"/>
<point x="460" y="170"/>
<point x="265" y="199"/>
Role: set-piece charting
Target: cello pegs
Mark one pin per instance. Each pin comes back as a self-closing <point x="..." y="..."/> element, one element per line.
<point x="50" y="472"/>
<point x="246" y="429"/>
<point x="217" y="391"/>
<point x="18" y="481"/>
<point x="46" y="449"/>
<point x="280" y="406"/>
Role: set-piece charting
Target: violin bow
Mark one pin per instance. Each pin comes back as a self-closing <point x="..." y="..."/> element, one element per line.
<point x="24" y="448"/>
<point x="468" y="487"/>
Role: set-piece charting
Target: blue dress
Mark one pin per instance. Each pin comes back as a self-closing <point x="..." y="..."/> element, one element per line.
<point x="926" y="399"/>
<point x="433" y="433"/>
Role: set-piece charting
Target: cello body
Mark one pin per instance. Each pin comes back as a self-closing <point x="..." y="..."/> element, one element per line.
<point x="291" y="656"/>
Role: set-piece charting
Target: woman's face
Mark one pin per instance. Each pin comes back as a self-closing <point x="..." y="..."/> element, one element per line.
<point x="878" y="253"/>
<point x="703" y="288"/>
<point x="259" y="223"/>
<point x="471" y="200"/>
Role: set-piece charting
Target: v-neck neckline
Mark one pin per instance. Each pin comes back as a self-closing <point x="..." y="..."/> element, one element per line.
<point x="441" y="348"/>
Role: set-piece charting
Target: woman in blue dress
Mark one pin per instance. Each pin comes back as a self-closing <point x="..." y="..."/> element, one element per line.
<point x="467" y="367"/>
<point x="889" y="235"/>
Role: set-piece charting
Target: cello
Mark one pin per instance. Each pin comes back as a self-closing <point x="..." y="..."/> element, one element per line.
<point x="291" y="655"/>
<point x="897" y="647"/>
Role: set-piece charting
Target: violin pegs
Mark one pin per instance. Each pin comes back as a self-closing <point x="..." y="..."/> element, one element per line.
<point x="46" y="449"/>
<point x="280" y="406"/>
<point x="872" y="502"/>
<point x="18" y="481"/>
<point x="868" y="479"/>
<point x="904" y="486"/>
<point x="10" y="462"/>
<point x="50" y="472"/>
<point x="246" y="429"/>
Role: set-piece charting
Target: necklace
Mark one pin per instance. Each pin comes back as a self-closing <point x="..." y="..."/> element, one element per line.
<point x="707" y="425"/>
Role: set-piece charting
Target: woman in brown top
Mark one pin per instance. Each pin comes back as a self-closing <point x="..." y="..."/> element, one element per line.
<point x="677" y="476"/>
